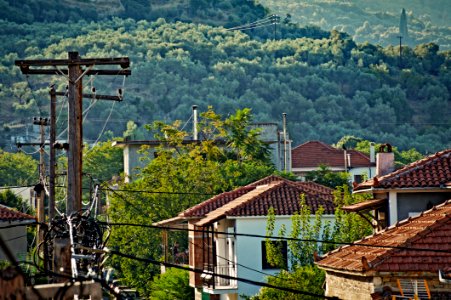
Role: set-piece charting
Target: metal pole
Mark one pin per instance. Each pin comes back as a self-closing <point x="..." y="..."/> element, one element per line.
<point x="74" y="165"/>
<point x="285" y="157"/>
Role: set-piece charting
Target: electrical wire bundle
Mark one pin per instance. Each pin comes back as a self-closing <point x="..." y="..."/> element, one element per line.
<point x="84" y="232"/>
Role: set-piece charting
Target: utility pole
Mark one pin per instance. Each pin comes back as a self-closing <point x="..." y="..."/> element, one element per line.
<point x="42" y="122"/>
<point x="285" y="154"/>
<point x="77" y="68"/>
<point x="52" y="160"/>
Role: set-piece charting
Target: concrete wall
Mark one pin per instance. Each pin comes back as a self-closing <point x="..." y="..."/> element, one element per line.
<point x="249" y="252"/>
<point x="417" y="202"/>
<point x="15" y="238"/>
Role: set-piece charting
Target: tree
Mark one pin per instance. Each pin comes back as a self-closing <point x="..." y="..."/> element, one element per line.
<point x="302" y="278"/>
<point x="172" y="285"/>
<point x="306" y="230"/>
<point x="323" y="175"/>
<point x="403" y="24"/>
<point x="181" y="175"/>
<point x="17" y="169"/>
<point x="8" y="198"/>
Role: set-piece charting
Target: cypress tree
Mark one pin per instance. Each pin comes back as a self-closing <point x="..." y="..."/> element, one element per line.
<point x="403" y="24"/>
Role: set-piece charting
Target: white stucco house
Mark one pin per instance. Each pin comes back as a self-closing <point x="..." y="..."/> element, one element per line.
<point x="242" y="211"/>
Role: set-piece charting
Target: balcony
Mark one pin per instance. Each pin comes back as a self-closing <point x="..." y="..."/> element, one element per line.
<point x="213" y="283"/>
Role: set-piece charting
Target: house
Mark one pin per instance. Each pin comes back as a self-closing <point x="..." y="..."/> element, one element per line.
<point x="312" y="154"/>
<point x="15" y="237"/>
<point x="244" y="211"/>
<point x="408" y="191"/>
<point x="387" y="264"/>
<point x="270" y="134"/>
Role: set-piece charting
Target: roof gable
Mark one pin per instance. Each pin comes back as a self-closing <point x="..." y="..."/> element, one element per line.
<point x="283" y="195"/>
<point x="431" y="172"/>
<point x="314" y="153"/>
<point x="430" y="230"/>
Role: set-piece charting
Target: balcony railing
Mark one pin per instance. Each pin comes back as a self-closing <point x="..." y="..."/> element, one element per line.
<point x="228" y="270"/>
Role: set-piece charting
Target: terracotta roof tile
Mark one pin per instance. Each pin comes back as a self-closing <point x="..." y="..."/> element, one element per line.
<point x="283" y="196"/>
<point x="430" y="230"/>
<point x="314" y="153"/>
<point x="430" y="172"/>
<point x="8" y="214"/>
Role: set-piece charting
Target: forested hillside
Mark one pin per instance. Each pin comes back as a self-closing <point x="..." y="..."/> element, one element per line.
<point x="374" y="21"/>
<point x="329" y="85"/>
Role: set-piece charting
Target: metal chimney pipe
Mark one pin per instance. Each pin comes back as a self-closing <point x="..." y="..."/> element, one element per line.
<point x="372" y="153"/>
<point x="195" y="134"/>
<point x="285" y="157"/>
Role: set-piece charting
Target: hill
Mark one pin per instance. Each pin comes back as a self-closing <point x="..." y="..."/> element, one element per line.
<point x="374" y="21"/>
<point x="329" y="85"/>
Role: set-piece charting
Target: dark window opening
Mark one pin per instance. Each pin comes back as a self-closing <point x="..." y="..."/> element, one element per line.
<point x="280" y="262"/>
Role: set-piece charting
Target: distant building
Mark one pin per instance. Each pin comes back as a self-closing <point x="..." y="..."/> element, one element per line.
<point x="14" y="237"/>
<point x="270" y="134"/>
<point x="310" y="155"/>
<point x="243" y="210"/>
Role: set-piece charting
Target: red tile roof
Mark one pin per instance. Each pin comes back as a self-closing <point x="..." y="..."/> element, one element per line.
<point x="430" y="230"/>
<point x="314" y="153"/>
<point x="431" y="172"/>
<point x="8" y="214"/>
<point x="283" y="196"/>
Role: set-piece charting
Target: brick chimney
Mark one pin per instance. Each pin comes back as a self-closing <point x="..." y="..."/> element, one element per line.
<point x="385" y="160"/>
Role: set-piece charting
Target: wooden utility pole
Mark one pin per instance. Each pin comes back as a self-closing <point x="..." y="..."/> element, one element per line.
<point x="52" y="160"/>
<point x="77" y="68"/>
<point x="42" y="122"/>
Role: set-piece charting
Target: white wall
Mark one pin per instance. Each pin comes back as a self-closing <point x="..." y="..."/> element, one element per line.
<point x="15" y="238"/>
<point x="248" y="249"/>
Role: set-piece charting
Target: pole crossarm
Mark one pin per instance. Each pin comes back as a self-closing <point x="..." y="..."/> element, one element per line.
<point x="27" y="71"/>
<point x="94" y="96"/>
<point x="124" y="62"/>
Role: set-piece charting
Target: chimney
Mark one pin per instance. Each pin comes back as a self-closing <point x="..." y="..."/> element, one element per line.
<point x="385" y="160"/>
<point x="349" y="160"/>
<point x="195" y="135"/>
<point x="372" y="153"/>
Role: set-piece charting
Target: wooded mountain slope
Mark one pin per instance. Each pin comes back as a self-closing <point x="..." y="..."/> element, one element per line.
<point x="329" y="85"/>
<point x="374" y="21"/>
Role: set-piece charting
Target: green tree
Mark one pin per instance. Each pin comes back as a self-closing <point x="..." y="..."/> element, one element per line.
<point x="17" y="169"/>
<point x="8" y="198"/>
<point x="302" y="278"/>
<point x="181" y="175"/>
<point x="323" y="175"/>
<point x="172" y="285"/>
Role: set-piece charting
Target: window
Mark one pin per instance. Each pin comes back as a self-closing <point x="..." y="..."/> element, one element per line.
<point x="282" y="262"/>
<point x="358" y="178"/>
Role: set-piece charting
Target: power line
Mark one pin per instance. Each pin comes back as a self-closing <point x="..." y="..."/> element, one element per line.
<point x="276" y="237"/>
<point x="161" y="192"/>
<point x="195" y="270"/>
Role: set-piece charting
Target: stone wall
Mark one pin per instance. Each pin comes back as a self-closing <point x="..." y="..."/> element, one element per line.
<point x="349" y="287"/>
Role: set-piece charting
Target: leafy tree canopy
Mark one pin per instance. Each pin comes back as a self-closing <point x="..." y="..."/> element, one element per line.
<point x="182" y="174"/>
<point x="17" y="169"/>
